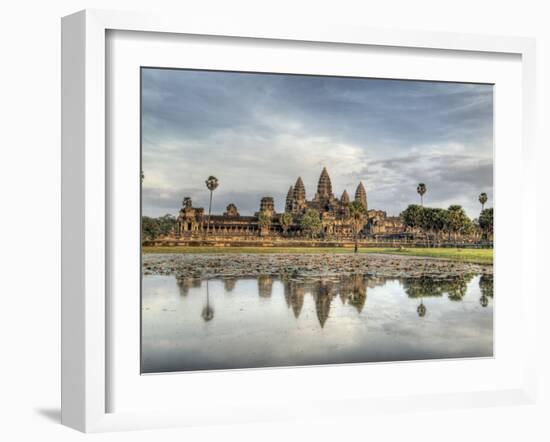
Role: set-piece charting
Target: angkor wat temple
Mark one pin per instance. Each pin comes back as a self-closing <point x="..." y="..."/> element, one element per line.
<point x="334" y="214"/>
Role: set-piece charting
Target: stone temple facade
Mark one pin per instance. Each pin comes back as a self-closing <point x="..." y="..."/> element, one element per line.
<point x="334" y="214"/>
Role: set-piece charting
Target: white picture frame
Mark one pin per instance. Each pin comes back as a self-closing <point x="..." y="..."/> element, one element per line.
<point x="85" y="235"/>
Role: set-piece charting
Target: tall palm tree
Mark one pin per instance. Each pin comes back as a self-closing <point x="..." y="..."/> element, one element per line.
<point x="211" y="184"/>
<point x="421" y="309"/>
<point x="264" y="220"/>
<point x="286" y="221"/>
<point x="421" y="190"/>
<point x="207" y="312"/>
<point x="358" y="216"/>
<point x="484" y="300"/>
<point x="483" y="199"/>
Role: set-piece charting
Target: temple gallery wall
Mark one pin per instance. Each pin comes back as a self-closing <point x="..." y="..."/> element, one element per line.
<point x="332" y="212"/>
<point x="311" y="222"/>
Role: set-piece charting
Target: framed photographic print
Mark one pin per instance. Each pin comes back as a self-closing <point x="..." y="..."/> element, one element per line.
<point x="354" y="273"/>
<point x="291" y="219"/>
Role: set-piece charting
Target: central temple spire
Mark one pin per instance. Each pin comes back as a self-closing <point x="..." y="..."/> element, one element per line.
<point x="361" y="194"/>
<point x="324" y="188"/>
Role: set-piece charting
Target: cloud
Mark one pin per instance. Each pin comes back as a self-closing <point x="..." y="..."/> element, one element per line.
<point x="451" y="174"/>
<point x="258" y="132"/>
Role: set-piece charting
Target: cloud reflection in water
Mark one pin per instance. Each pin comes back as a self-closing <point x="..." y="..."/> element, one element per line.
<point x="189" y="324"/>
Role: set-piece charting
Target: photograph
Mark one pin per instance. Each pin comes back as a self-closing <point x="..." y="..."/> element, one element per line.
<point x="292" y="220"/>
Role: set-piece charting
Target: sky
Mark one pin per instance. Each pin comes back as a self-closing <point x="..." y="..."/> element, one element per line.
<point x="258" y="132"/>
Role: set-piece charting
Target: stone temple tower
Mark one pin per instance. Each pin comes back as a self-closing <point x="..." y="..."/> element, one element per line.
<point x="299" y="202"/>
<point x="344" y="203"/>
<point x="361" y="194"/>
<point x="344" y="199"/>
<point x="267" y="206"/>
<point x="289" y="199"/>
<point x="299" y="190"/>
<point x="324" y="200"/>
<point x="324" y="188"/>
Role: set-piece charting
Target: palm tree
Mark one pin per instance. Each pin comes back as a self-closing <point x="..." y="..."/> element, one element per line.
<point x="483" y="199"/>
<point x="311" y="223"/>
<point x="211" y="184"/>
<point x="207" y="312"/>
<point x="484" y="301"/>
<point x="358" y="215"/>
<point x="264" y="220"/>
<point x="421" y="190"/>
<point x="286" y="221"/>
<point x="485" y="222"/>
<point x="457" y="220"/>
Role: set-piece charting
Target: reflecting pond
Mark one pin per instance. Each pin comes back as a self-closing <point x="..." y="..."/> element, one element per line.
<point x="194" y="324"/>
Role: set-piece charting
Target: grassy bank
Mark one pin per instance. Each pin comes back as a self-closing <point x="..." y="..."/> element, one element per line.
<point x="480" y="256"/>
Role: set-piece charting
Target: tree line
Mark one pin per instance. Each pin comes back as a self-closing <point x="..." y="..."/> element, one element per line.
<point x="450" y="223"/>
<point x="152" y="228"/>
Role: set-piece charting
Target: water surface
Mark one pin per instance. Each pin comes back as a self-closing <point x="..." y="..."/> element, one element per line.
<point x="194" y="324"/>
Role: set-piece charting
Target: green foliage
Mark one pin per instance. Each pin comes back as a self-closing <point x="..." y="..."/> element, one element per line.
<point x="486" y="221"/>
<point x="483" y="198"/>
<point x="413" y="215"/>
<point x="457" y="220"/>
<point x="433" y="219"/>
<point x="357" y="210"/>
<point x="311" y="223"/>
<point x="358" y="215"/>
<point x="421" y="287"/>
<point x="152" y="228"/>
<point x="454" y="286"/>
<point x="439" y="220"/>
<point x="452" y="220"/>
<point x="264" y="220"/>
<point x="469" y="227"/>
<point x="212" y="183"/>
<point x="421" y="190"/>
<point x="167" y="223"/>
<point x="486" y="285"/>
<point x="286" y="221"/>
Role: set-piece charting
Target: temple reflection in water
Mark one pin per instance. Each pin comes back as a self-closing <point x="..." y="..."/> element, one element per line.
<point x="194" y="323"/>
<point x="186" y="284"/>
<point x="350" y="289"/>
